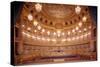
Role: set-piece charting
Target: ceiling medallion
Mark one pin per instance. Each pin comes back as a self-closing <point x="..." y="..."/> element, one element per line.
<point x="38" y="7"/>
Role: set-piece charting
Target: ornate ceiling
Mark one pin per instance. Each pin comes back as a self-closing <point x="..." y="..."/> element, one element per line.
<point x="55" y="25"/>
<point x="58" y="11"/>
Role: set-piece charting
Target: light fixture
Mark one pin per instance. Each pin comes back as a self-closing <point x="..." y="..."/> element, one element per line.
<point x="43" y="30"/>
<point x="35" y="31"/>
<point x="73" y="30"/>
<point x="54" y="33"/>
<point x="35" y="23"/>
<point x="39" y="27"/>
<point x="68" y="33"/>
<point x="38" y="7"/>
<point x="28" y="28"/>
<point x="28" y="35"/>
<point x="77" y="9"/>
<point x="54" y="40"/>
<point x="30" y="17"/>
<point x="80" y="24"/>
<point x="48" y="32"/>
<point x="58" y="31"/>
<point x="58" y="35"/>
<point x="89" y="33"/>
<point x="63" y="39"/>
<point x="84" y="19"/>
<point x="63" y="33"/>
<point x="23" y="25"/>
<point x="85" y="29"/>
<point x="85" y="34"/>
<point x="77" y="28"/>
<point x="23" y="32"/>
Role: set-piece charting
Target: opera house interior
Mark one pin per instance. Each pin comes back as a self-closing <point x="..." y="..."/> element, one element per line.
<point x="53" y="33"/>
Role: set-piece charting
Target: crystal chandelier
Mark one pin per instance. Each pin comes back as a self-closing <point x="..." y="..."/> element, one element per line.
<point x="38" y="7"/>
<point x="77" y="9"/>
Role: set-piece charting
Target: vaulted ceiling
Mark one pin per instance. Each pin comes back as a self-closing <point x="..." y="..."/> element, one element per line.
<point x="55" y="24"/>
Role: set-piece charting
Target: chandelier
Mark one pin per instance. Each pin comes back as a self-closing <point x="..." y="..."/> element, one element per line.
<point x="77" y="9"/>
<point x="38" y="7"/>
